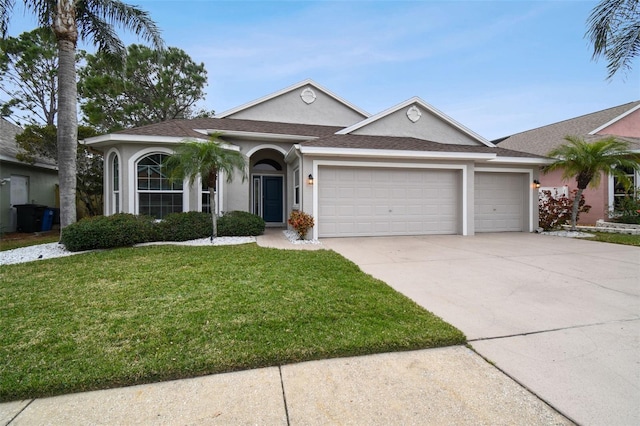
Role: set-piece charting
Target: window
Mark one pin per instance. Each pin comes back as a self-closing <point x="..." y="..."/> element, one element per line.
<point x="296" y="186"/>
<point x="267" y="165"/>
<point x="157" y="196"/>
<point x="619" y="190"/>
<point x="115" y="182"/>
<point x="206" y="207"/>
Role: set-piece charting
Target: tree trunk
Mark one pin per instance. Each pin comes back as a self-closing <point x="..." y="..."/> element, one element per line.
<point x="574" y="210"/>
<point x="66" y="32"/>
<point x="214" y="219"/>
<point x="67" y="132"/>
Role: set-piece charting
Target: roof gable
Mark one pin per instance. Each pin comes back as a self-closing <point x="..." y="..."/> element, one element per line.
<point x="303" y="103"/>
<point x="591" y="126"/>
<point x="414" y="118"/>
<point x="626" y="124"/>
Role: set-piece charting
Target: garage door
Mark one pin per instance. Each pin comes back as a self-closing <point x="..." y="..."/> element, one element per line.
<point x="379" y="202"/>
<point x="499" y="202"/>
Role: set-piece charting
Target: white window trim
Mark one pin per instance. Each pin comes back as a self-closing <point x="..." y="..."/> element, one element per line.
<point x="297" y="176"/>
<point x="612" y="190"/>
<point x="133" y="187"/>
<point x="219" y="194"/>
<point x="108" y="182"/>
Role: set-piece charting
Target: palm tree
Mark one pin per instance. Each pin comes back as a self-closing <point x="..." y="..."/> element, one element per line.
<point x="92" y="20"/>
<point x="614" y="31"/>
<point x="588" y="161"/>
<point x="192" y="159"/>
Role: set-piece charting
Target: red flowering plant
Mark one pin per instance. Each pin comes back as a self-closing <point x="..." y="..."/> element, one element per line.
<point x="301" y="222"/>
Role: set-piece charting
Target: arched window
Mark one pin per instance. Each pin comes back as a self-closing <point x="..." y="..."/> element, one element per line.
<point x="157" y="196"/>
<point x="267" y="165"/>
<point x="115" y="183"/>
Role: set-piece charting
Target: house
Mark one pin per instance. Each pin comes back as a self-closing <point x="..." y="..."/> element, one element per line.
<point x="22" y="183"/>
<point x="409" y="170"/>
<point x="622" y="122"/>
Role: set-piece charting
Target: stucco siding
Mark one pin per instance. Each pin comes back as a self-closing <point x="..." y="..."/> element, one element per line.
<point x="290" y="108"/>
<point x="628" y="126"/>
<point x="597" y="198"/>
<point x="428" y="127"/>
<point x="41" y="190"/>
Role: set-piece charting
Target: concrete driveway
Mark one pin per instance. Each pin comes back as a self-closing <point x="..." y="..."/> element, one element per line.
<point x="561" y="316"/>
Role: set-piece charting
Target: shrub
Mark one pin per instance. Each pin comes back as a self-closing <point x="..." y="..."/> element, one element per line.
<point x="102" y="232"/>
<point x="301" y="222"/>
<point x="184" y="226"/>
<point x="627" y="210"/>
<point x="240" y="224"/>
<point x="556" y="211"/>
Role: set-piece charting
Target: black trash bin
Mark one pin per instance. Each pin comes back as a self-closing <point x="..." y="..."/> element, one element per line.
<point x="29" y="217"/>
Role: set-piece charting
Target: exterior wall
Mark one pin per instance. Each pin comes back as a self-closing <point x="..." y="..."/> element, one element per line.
<point x="628" y="126"/>
<point x="428" y="127"/>
<point x="290" y="108"/>
<point x="42" y="190"/>
<point x="467" y="182"/>
<point x="597" y="198"/>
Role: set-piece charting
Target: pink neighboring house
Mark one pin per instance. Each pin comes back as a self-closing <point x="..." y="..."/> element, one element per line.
<point x="622" y="122"/>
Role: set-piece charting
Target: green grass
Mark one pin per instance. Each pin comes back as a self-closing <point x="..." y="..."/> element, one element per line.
<point x="606" y="237"/>
<point x="139" y="315"/>
<point x="26" y="240"/>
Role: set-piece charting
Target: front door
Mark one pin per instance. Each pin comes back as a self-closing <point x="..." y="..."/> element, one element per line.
<point x="268" y="198"/>
<point x="272" y="196"/>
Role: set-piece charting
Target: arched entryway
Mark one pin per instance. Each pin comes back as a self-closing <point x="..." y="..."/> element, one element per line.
<point x="268" y="195"/>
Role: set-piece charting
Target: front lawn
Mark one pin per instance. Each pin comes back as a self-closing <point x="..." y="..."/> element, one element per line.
<point x="606" y="237"/>
<point x="139" y="315"/>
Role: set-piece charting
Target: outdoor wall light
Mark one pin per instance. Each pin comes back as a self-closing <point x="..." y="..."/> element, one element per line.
<point x="310" y="179"/>
<point x="536" y="183"/>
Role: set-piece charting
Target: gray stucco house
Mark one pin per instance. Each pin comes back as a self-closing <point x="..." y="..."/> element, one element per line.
<point x="409" y="170"/>
<point x="22" y="183"/>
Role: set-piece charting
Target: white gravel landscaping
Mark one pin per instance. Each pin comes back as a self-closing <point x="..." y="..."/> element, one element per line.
<point x="51" y="250"/>
<point x="292" y="236"/>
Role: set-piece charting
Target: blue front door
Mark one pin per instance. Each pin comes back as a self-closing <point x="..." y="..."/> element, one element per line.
<point x="272" y="199"/>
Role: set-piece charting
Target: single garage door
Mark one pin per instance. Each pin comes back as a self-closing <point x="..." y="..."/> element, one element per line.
<point x="499" y="202"/>
<point x="355" y="201"/>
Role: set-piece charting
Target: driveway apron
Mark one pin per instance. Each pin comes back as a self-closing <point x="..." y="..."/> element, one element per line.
<point x="559" y="315"/>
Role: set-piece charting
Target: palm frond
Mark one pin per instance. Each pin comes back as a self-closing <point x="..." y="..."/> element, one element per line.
<point x="586" y="161"/>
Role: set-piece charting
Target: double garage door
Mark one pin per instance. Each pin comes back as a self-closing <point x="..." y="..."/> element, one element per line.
<point x="359" y="201"/>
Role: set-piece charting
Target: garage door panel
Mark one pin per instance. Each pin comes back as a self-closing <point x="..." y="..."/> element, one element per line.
<point x="499" y="202"/>
<point x="387" y="201"/>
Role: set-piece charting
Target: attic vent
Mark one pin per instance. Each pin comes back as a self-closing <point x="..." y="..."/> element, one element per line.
<point x="308" y="96"/>
<point x="414" y="114"/>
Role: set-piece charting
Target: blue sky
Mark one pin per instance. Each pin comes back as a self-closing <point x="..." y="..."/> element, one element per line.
<point x="498" y="67"/>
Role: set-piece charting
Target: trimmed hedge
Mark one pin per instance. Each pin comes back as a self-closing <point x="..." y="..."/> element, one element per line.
<point x="184" y="226"/>
<point x="124" y="230"/>
<point x="102" y="232"/>
<point x="240" y="224"/>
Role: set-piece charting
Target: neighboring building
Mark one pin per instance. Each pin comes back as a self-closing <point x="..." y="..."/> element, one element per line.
<point x="622" y="121"/>
<point x="22" y="183"/>
<point x="409" y="170"/>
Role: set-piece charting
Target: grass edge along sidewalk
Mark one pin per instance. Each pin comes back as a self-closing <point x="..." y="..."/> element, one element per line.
<point x="139" y="315"/>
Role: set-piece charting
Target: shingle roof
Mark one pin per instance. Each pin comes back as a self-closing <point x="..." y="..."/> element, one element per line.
<point x="543" y="139"/>
<point x="324" y="136"/>
<point x="406" y="143"/>
<point x="186" y="128"/>
<point x="9" y="147"/>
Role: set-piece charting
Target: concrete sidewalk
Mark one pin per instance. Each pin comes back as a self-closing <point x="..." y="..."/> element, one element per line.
<point x="445" y="386"/>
